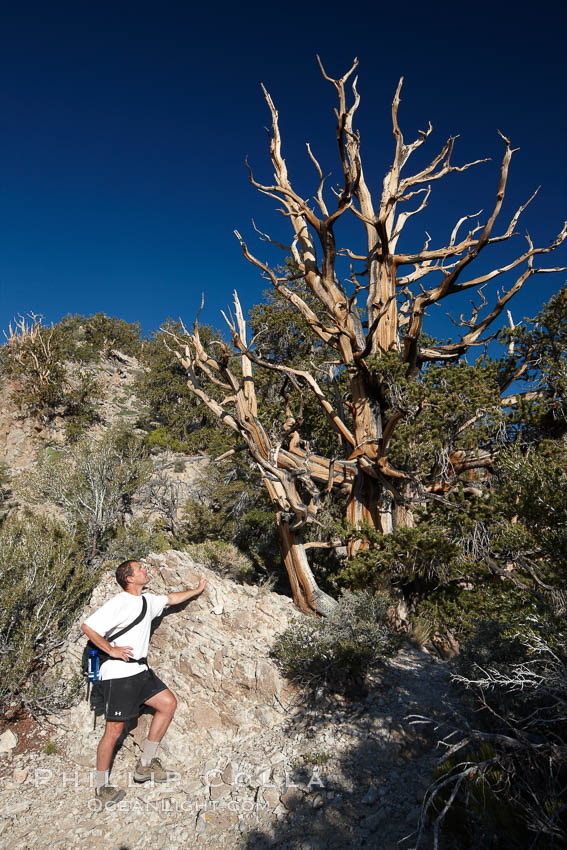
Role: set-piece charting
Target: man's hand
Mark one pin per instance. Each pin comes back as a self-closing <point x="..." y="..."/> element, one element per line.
<point x="123" y="653"/>
<point x="181" y="596"/>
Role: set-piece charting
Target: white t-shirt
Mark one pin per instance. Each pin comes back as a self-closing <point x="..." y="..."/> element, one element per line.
<point x="117" y="613"/>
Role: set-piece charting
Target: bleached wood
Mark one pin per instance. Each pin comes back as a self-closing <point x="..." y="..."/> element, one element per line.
<point x="378" y="309"/>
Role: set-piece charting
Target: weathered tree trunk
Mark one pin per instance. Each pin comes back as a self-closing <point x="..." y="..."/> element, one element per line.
<point x="306" y="594"/>
<point x="399" y="290"/>
<point x="369" y="500"/>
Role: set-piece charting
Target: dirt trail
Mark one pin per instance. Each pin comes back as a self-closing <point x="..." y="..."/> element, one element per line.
<point x="339" y="777"/>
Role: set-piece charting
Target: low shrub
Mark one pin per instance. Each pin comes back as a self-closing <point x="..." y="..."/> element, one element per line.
<point x="136" y="540"/>
<point x="5" y="481"/>
<point x="337" y="653"/>
<point x="48" y="691"/>
<point x="221" y="557"/>
<point x="43" y="583"/>
<point x="93" y="482"/>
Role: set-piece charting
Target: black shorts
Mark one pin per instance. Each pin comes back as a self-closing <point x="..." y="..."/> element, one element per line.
<point x="124" y="697"/>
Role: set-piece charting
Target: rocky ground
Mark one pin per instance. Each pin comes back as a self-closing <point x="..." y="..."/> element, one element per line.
<point x="254" y="766"/>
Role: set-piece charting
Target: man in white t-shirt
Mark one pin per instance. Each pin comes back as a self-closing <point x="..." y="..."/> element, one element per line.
<point x="127" y="681"/>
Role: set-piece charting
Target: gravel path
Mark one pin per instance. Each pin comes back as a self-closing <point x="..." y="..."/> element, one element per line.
<point x="338" y="777"/>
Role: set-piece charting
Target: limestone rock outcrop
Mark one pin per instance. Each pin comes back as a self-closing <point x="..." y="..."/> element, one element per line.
<point x="213" y="654"/>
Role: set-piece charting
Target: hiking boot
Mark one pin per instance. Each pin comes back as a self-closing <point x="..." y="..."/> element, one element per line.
<point x="109" y="795"/>
<point x="153" y="770"/>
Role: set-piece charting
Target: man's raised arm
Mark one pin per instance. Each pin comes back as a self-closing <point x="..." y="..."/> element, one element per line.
<point x="183" y="595"/>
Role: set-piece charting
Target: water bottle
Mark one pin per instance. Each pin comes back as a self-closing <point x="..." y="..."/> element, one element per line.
<point x="93" y="666"/>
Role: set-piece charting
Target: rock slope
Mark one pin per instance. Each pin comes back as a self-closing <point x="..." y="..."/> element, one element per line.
<point x="21" y="436"/>
<point x="254" y="767"/>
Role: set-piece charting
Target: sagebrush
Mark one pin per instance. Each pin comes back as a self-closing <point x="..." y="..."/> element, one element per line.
<point x="337" y="652"/>
<point x="43" y="583"/>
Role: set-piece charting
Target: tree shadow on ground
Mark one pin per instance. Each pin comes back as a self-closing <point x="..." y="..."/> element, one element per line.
<point x="366" y="795"/>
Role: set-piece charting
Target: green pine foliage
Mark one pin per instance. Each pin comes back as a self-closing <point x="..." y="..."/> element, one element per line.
<point x="176" y="420"/>
<point x="231" y="504"/>
<point x="540" y="356"/>
<point x="422" y="556"/>
<point x="85" y="339"/>
<point x="531" y="483"/>
<point x="474" y="559"/>
<point x="446" y="408"/>
<point x="282" y="336"/>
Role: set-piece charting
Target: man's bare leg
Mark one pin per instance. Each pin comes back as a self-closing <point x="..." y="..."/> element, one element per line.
<point x="164" y="705"/>
<point x="107" y="743"/>
<point x="105" y="792"/>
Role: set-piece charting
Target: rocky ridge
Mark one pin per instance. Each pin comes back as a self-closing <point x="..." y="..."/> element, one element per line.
<point x="21" y="436"/>
<point x="254" y="766"/>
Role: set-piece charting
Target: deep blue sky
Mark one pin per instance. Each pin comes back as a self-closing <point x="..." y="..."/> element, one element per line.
<point x="125" y="127"/>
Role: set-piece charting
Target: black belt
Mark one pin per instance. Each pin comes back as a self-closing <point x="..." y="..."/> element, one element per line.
<point x="131" y="660"/>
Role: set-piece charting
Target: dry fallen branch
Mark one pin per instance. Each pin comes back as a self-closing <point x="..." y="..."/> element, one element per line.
<point x="526" y="742"/>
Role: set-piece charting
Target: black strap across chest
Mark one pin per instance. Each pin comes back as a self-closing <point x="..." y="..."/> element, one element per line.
<point x="138" y="619"/>
<point x="103" y="655"/>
